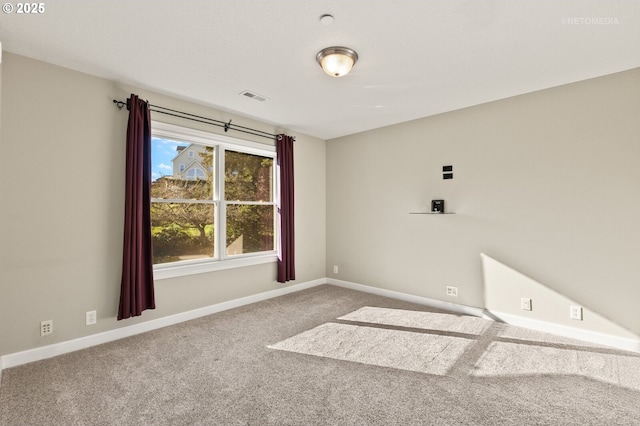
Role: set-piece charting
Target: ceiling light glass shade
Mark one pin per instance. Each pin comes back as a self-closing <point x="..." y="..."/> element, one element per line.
<point x="337" y="61"/>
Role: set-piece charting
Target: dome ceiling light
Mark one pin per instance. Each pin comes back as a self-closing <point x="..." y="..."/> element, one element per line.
<point x="337" y="61"/>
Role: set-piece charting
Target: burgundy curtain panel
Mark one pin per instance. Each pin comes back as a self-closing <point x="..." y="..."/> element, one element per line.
<point x="286" y="257"/>
<point x="136" y="291"/>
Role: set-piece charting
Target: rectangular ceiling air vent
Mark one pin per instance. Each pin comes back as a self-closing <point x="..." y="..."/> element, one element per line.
<point x="253" y="95"/>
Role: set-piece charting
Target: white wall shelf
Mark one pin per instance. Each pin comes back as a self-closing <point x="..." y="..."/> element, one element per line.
<point x="431" y="213"/>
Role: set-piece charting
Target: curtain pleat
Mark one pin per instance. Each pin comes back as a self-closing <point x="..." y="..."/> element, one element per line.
<point x="286" y="257"/>
<point x="136" y="291"/>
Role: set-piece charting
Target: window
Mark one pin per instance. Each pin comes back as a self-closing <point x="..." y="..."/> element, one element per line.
<point x="248" y="188"/>
<point x="219" y="211"/>
<point x="195" y="174"/>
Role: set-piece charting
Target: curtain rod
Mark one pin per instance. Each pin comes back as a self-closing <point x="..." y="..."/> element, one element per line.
<point x="187" y="116"/>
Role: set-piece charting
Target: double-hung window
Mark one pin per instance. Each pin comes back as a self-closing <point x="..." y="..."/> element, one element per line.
<point x="216" y="212"/>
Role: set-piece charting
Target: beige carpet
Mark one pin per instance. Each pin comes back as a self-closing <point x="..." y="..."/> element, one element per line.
<point x="372" y="361"/>
<point x="421" y="320"/>
<point x="425" y="349"/>
<point x="387" y="348"/>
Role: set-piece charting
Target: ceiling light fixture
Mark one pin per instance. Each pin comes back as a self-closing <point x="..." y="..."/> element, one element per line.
<point x="337" y="61"/>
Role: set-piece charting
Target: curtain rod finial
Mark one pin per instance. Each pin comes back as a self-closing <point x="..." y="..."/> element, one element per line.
<point x="121" y="104"/>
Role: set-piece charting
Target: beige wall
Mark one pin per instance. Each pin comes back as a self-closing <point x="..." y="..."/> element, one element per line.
<point x="60" y="223"/>
<point x="546" y="187"/>
<point x="547" y="184"/>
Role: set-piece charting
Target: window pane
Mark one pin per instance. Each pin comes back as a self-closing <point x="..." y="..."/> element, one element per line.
<point x="181" y="171"/>
<point x="182" y="231"/>
<point x="249" y="228"/>
<point x="195" y="173"/>
<point x="248" y="177"/>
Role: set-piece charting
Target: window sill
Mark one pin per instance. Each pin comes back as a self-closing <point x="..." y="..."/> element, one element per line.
<point x="172" y="271"/>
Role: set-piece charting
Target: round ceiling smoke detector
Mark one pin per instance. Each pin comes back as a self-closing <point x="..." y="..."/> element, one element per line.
<point x="326" y="19"/>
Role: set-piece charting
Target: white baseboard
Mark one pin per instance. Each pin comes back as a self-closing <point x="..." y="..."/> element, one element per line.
<point x="618" y="342"/>
<point x="433" y="303"/>
<point x="37" y="354"/>
<point x="624" y="343"/>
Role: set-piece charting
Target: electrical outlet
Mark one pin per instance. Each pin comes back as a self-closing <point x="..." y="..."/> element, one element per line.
<point x="335" y="269"/>
<point x="575" y="312"/>
<point x="452" y="291"/>
<point x="46" y="327"/>
<point x="91" y="317"/>
<point x="525" y="304"/>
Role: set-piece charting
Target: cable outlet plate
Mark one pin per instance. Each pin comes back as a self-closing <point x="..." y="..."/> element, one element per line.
<point x="525" y="304"/>
<point x="46" y="327"/>
<point x="452" y="291"/>
<point x="335" y="269"/>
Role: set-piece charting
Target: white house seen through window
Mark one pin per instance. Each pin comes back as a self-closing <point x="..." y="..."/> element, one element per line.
<point x="213" y="204"/>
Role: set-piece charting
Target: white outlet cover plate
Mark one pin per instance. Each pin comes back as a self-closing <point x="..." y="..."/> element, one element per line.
<point x="91" y="317"/>
<point x="575" y="312"/>
<point x="525" y="304"/>
<point x="46" y="327"/>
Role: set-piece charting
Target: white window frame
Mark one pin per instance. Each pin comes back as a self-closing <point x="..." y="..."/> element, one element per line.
<point x="220" y="143"/>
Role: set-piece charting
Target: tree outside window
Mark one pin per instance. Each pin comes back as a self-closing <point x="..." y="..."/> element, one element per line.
<point x="188" y="204"/>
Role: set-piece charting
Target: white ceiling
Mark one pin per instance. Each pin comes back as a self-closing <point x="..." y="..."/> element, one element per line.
<point x="417" y="57"/>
